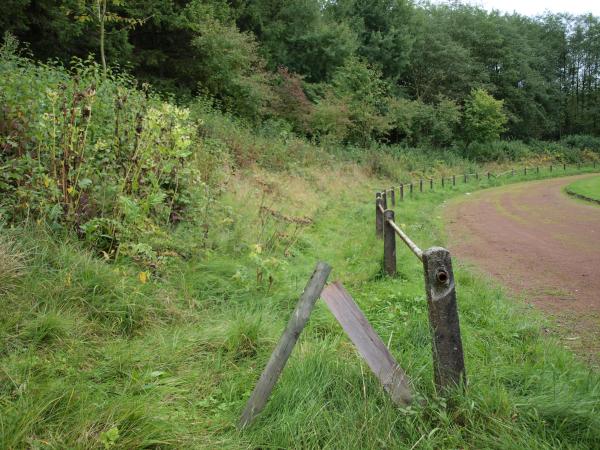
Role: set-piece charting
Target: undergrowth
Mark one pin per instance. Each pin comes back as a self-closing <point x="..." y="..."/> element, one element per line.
<point x="95" y="356"/>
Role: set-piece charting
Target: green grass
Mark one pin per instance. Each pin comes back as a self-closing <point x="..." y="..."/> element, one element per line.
<point x="588" y="188"/>
<point x="87" y="349"/>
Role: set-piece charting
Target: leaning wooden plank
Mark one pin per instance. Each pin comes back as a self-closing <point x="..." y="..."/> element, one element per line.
<point x="368" y="343"/>
<point x="284" y="348"/>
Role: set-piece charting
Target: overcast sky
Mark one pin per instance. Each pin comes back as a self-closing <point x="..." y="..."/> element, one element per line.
<point x="535" y="7"/>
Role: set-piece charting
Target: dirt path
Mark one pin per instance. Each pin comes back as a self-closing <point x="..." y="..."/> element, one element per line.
<point x="542" y="245"/>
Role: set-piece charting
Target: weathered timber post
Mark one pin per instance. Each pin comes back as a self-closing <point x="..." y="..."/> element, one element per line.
<point x="393" y="196"/>
<point x="421" y="185"/>
<point x="378" y="215"/>
<point x="564" y="166"/>
<point x="384" y="198"/>
<point x="448" y="358"/>
<point x="550" y="167"/>
<point x="525" y="170"/>
<point x="411" y="188"/>
<point x="389" y="244"/>
<point x="284" y="348"/>
<point x="453" y="180"/>
<point x="443" y="182"/>
<point x="431" y="184"/>
<point x="402" y="191"/>
<point x="466" y="177"/>
<point x="537" y="170"/>
<point x="489" y="175"/>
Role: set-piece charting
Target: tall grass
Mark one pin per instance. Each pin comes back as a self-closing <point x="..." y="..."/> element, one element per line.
<point x="93" y="357"/>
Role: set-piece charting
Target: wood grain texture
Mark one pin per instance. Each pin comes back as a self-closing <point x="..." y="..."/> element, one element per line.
<point x="448" y="358"/>
<point x="368" y="343"/>
<point x="284" y="348"/>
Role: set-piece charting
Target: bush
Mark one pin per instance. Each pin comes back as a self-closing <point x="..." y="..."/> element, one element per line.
<point x="582" y="142"/>
<point x="92" y="153"/>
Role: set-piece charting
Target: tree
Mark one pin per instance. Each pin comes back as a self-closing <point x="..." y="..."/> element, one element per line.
<point x="484" y="118"/>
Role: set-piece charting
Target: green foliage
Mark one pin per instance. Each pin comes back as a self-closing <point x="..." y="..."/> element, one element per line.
<point x="91" y="153"/>
<point x="484" y="118"/>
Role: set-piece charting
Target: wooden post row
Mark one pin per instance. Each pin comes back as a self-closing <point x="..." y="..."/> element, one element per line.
<point x="378" y="215"/>
<point x="448" y="358"/>
<point x="312" y="291"/>
<point x="389" y="244"/>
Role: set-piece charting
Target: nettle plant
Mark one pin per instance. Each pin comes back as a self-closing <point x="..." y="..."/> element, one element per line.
<point x="92" y="153"/>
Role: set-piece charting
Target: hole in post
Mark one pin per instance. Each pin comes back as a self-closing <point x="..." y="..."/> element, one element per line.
<point x="442" y="276"/>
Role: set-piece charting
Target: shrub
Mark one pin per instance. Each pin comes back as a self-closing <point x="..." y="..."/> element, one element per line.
<point x="484" y="117"/>
<point x="92" y="153"/>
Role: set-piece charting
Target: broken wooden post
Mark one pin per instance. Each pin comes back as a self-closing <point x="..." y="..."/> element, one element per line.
<point x="284" y="348"/>
<point x="378" y="215"/>
<point x="448" y="358"/>
<point x="368" y="343"/>
<point x="389" y="244"/>
<point x="393" y="196"/>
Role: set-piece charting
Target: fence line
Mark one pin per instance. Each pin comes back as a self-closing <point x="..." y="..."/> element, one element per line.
<point x="526" y="170"/>
<point x="448" y="357"/>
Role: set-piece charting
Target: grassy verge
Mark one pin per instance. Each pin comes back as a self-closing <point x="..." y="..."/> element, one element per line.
<point x="588" y="189"/>
<point x="91" y="356"/>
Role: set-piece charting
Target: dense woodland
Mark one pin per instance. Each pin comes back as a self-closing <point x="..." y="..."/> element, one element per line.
<point x="354" y="71"/>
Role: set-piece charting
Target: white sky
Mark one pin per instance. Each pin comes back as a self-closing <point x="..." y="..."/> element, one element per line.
<point x="535" y="7"/>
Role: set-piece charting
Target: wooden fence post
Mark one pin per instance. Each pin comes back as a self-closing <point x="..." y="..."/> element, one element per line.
<point x="378" y="215"/>
<point x="453" y="180"/>
<point x="550" y="167"/>
<point x="431" y="184"/>
<point x="466" y="177"/>
<point x="477" y="176"/>
<point x="448" y="358"/>
<point x="421" y="185"/>
<point x="537" y="170"/>
<point x="393" y="196"/>
<point x="411" y="188"/>
<point x="564" y="166"/>
<point x="512" y="173"/>
<point x="443" y="182"/>
<point x="284" y="348"/>
<point x="402" y="191"/>
<point x="384" y="198"/>
<point x="489" y="175"/>
<point x="389" y="244"/>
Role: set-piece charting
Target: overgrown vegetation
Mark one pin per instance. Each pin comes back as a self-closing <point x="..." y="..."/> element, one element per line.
<point x="154" y="237"/>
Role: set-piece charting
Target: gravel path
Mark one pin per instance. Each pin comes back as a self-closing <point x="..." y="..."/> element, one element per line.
<point x="542" y="245"/>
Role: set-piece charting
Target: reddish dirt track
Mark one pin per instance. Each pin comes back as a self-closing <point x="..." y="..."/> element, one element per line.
<point x="541" y="244"/>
